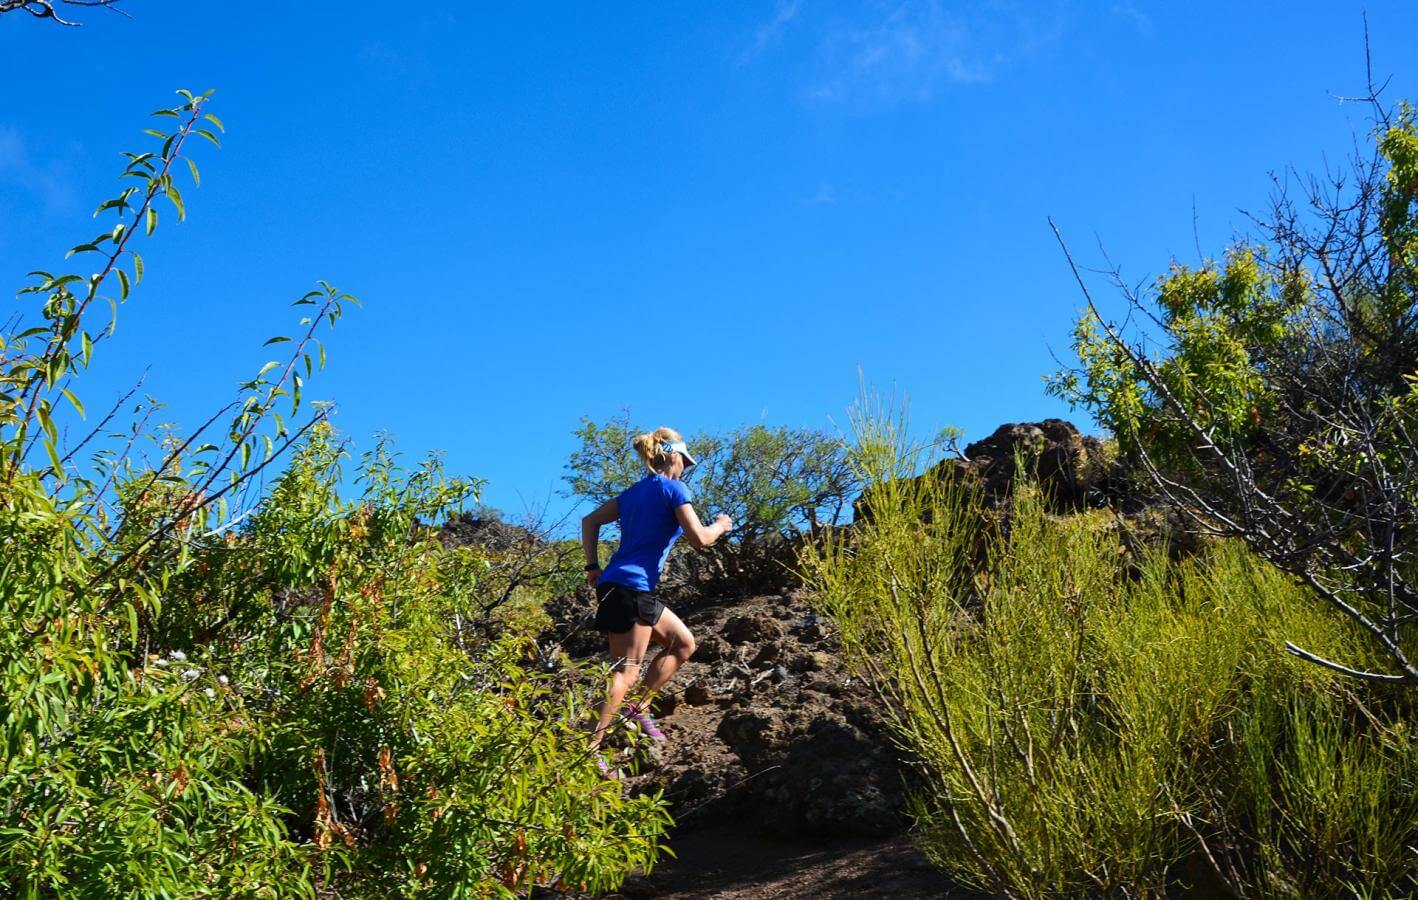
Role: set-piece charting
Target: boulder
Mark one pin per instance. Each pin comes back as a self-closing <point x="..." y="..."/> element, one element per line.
<point x="1074" y="471"/>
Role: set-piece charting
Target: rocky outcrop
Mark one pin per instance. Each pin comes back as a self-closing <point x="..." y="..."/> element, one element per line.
<point x="472" y="529"/>
<point x="1074" y="471"/>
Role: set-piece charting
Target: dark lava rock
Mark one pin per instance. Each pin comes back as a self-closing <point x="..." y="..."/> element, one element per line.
<point x="666" y="702"/>
<point x="698" y="694"/>
<point x="770" y="652"/>
<point x="1065" y="461"/>
<point x="710" y="648"/>
<point x="814" y="661"/>
<point x="472" y="530"/>
<point x="1074" y="470"/>
<point x="820" y="774"/>
<point x="753" y="628"/>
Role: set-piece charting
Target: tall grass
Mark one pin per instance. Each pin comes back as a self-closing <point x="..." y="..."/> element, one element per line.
<point x="1091" y="724"/>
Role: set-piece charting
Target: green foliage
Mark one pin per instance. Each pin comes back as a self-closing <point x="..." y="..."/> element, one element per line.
<point x="775" y="481"/>
<point x="1221" y="321"/>
<point x="1235" y="335"/>
<point x="1275" y="398"/>
<point x="1083" y="727"/>
<point x="605" y="464"/>
<point x="284" y="701"/>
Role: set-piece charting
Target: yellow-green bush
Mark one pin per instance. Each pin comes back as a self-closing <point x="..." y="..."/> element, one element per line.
<point x="1087" y="727"/>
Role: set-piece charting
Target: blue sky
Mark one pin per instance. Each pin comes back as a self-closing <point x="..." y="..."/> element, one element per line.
<point x="710" y="213"/>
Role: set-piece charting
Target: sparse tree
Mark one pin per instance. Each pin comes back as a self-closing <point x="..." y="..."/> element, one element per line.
<point x="1273" y="395"/>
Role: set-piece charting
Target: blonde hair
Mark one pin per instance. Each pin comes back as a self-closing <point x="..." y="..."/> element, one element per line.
<point x="649" y="444"/>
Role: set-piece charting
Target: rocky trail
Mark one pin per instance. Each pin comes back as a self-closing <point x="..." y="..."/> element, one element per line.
<point x="782" y="778"/>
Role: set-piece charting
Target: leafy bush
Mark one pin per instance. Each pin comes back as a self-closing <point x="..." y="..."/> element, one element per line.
<point x="1083" y="731"/>
<point x="776" y="483"/>
<point x="1276" y="400"/>
<point x="283" y="701"/>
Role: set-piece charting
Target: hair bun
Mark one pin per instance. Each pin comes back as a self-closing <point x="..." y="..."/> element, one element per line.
<point x="651" y="447"/>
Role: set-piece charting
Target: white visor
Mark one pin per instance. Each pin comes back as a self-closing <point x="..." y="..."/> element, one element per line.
<point x="681" y="449"/>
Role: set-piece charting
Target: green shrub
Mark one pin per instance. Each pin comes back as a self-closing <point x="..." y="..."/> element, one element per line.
<point x="1274" y="393"/>
<point x="1081" y="729"/>
<point x="285" y="701"/>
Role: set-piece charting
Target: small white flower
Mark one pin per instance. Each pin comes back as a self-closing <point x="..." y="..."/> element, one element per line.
<point x="221" y="680"/>
<point x="179" y="656"/>
<point x="190" y="675"/>
<point x="209" y="692"/>
<point x="160" y="663"/>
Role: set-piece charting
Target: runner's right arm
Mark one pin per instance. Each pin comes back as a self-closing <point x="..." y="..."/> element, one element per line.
<point x="697" y="533"/>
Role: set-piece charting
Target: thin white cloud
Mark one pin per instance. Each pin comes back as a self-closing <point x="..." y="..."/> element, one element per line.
<point x="48" y="179"/>
<point x="769" y="33"/>
<point x="826" y="196"/>
<point x="1140" y="20"/>
<point x="906" y="51"/>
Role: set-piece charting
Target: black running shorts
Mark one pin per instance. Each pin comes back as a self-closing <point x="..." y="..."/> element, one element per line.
<point x="622" y="607"/>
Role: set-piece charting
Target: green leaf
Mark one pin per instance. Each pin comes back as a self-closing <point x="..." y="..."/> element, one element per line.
<point x="53" y="452"/>
<point x="215" y="121"/>
<point x="137" y="269"/>
<point x="46" y="421"/>
<point x="86" y="345"/>
<point x="209" y="136"/>
<point x="152" y="221"/>
<point x="122" y="283"/>
<point x="175" y="196"/>
<point x="279" y="339"/>
<point x="69" y="395"/>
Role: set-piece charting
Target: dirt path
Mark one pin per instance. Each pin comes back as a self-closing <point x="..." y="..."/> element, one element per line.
<point x="734" y="863"/>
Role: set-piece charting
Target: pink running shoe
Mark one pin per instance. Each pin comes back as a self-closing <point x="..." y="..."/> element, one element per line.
<point x="640" y="717"/>
<point x="605" y="769"/>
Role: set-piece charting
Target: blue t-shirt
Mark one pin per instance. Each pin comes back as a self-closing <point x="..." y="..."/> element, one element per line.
<point x="647" y="530"/>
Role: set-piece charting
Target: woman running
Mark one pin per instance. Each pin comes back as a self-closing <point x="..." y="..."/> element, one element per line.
<point x="652" y="513"/>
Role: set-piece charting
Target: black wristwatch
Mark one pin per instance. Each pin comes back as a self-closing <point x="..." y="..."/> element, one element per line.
<point x="593" y="567"/>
